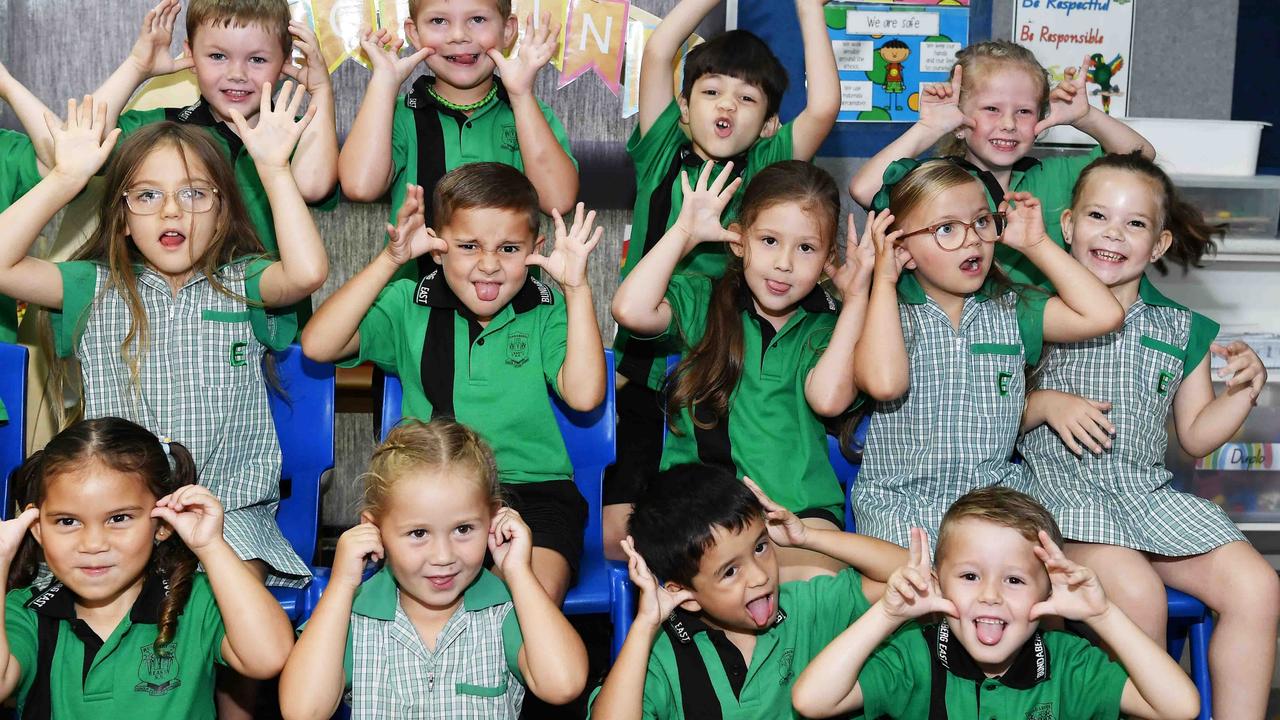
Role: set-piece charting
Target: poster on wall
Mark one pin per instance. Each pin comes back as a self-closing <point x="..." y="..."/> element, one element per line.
<point x="1094" y="34"/>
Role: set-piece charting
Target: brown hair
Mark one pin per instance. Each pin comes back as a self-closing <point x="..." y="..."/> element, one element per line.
<point x="1003" y="506"/>
<point x="504" y="8"/>
<point x="439" y="445"/>
<point x="126" y="448"/>
<point x="984" y="59"/>
<point x="1192" y="236"/>
<point x="708" y="374"/>
<point x="484" y="185"/>
<point x="270" y="15"/>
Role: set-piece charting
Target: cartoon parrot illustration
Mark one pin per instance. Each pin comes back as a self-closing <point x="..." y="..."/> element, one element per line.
<point x="1101" y="73"/>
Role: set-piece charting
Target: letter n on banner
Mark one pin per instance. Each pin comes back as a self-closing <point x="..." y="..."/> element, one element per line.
<point x="594" y="36"/>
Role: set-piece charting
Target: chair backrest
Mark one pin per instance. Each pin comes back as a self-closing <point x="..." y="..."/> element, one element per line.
<point x="13" y="432"/>
<point x="303" y="410"/>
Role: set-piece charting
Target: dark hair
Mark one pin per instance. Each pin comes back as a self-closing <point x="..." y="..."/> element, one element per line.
<point x="270" y="15"/>
<point x="739" y="54"/>
<point x="1192" y="236"/>
<point x="673" y="520"/>
<point x="708" y="374"/>
<point x="127" y="448"/>
<point x="1001" y="505"/>
<point x="485" y="185"/>
<point x="895" y="44"/>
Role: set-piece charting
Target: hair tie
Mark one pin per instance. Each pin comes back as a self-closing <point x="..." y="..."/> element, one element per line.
<point x="893" y="174"/>
<point x="164" y="445"/>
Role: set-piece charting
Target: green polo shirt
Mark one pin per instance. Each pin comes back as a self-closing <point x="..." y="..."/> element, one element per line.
<point x="660" y="157"/>
<point x="18" y="174"/>
<point x="428" y="140"/>
<point x="121" y="675"/>
<point x="1054" y="676"/>
<point x="690" y="656"/>
<point x="492" y="378"/>
<point x="768" y="402"/>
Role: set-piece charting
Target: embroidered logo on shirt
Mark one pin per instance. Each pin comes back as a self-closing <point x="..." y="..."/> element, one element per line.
<point x="157" y="671"/>
<point x="1002" y="383"/>
<point x="510" y="141"/>
<point x="785" y="671"/>
<point x="1162" y="382"/>
<point x="1043" y="711"/>
<point x="237" y="358"/>
<point x="517" y="349"/>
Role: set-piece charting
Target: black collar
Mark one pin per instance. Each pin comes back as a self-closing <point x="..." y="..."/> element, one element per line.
<point x="683" y="625"/>
<point x="433" y="291"/>
<point x="56" y="601"/>
<point x="199" y="113"/>
<point x="817" y="301"/>
<point x="689" y="158"/>
<point x="1030" y="666"/>
<point x="420" y="97"/>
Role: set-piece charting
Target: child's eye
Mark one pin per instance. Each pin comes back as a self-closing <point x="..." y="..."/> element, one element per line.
<point x="1138" y="224"/>
<point x="65" y="522"/>
<point x="467" y="247"/>
<point x="257" y="60"/>
<point x="1095" y="215"/>
<point x="148" y="196"/>
<point x="192" y="194"/>
<point x="219" y="57"/>
<point x="465" y="529"/>
<point x="437" y="21"/>
<point x="769" y="240"/>
<point x="122" y="517"/>
<point x="748" y="99"/>
<point x="982" y="222"/>
<point x="969" y="576"/>
<point x="417" y="533"/>
<point x="806" y="248"/>
<point x="944" y="230"/>
<point x="711" y="91"/>
<point x="730" y="572"/>
<point x="990" y="108"/>
<point x="479" y="19"/>
<point x="762" y="546"/>
<point x="509" y="249"/>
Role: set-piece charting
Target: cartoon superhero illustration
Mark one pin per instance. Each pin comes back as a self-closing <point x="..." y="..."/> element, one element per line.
<point x="1102" y="73"/>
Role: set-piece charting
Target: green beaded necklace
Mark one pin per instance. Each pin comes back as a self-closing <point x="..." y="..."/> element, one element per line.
<point x="493" y="92"/>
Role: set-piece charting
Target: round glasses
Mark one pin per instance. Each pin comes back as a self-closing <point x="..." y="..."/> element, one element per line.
<point x="149" y="201"/>
<point x="950" y="235"/>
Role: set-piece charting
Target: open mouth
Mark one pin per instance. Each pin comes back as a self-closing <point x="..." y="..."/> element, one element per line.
<point x="724" y="127"/>
<point x="972" y="265"/>
<point x="237" y="96"/>
<point x="1107" y="256"/>
<point x="463" y="59"/>
<point x="762" y="610"/>
<point x="777" y="288"/>
<point x="172" y="239"/>
<point x="1003" y="144"/>
<point x="487" y="291"/>
<point x="442" y="582"/>
<point x="989" y="630"/>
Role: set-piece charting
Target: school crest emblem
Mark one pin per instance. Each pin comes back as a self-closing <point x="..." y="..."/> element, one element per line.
<point x="1043" y="711"/>
<point x="1163" y="380"/>
<point x="785" y="670"/>
<point x="510" y="141"/>
<point x="517" y="349"/>
<point x="157" y="671"/>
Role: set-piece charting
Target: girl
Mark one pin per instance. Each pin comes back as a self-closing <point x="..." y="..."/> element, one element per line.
<point x="1115" y="503"/>
<point x="988" y="117"/>
<point x="433" y="632"/>
<point x="765" y="349"/>
<point x="122" y="534"/>
<point x="945" y="345"/>
<point x="168" y="305"/>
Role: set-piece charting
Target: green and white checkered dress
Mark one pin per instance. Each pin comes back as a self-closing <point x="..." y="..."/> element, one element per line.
<point x="1123" y="496"/>
<point x="472" y="674"/>
<point x="201" y="384"/>
<point x="954" y="429"/>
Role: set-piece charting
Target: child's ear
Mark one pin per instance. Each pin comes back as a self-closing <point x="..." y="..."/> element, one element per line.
<point x="736" y="246"/>
<point x="1065" y="222"/>
<point x="411" y="32"/>
<point x="510" y="31"/>
<point x="683" y="103"/>
<point x="163" y="532"/>
<point x="690" y="605"/>
<point x="537" y="244"/>
<point x="186" y="48"/>
<point x="771" y="127"/>
<point x="1162" y="245"/>
<point x="367" y="517"/>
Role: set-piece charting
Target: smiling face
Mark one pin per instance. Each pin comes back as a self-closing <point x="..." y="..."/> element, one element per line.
<point x="485" y="263"/>
<point x="992" y="575"/>
<point x="1005" y="107"/>
<point x="736" y="587"/>
<point x="171" y="239"/>
<point x="96" y="531"/>
<point x="725" y="116"/>
<point x="460" y="32"/>
<point x="231" y="64"/>
<point x="1114" y="228"/>
<point x="958" y="272"/>
<point x="783" y="253"/>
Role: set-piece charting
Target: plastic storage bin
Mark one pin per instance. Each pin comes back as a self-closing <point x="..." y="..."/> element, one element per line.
<point x="1250" y="206"/>
<point x="1205" y="147"/>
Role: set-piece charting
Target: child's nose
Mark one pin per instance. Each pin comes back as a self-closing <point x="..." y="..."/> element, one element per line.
<point x="171" y="208"/>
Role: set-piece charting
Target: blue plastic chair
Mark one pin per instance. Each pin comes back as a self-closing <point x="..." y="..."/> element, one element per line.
<point x="303" y="411"/>
<point x="1190" y="619"/>
<point x="603" y="585"/>
<point x="13" y="433"/>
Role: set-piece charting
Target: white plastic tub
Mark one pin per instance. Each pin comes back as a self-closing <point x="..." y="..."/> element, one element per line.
<point x="1189" y="147"/>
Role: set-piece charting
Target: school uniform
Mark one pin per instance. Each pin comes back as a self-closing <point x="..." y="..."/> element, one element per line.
<point x="428" y="140"/>
<point x="18" y="174"/>
<point x="927" y="673"/>
<point x="696" y="673"/>
<point x="954" y="428"/>
<point x="1052" y="181"/>
<point x="472" y="674"/>
<point x="200" y="382"/>
<point x="1124" y="496"/>
<point x="68" y="671"/>
<point x="493" y="379"/>
<point x="768" y="406"/>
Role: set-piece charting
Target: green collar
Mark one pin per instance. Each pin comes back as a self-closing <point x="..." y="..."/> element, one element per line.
<point x="378" y="597"/>
<point x="912" y="293"/>
<point x="1150" y="295"/>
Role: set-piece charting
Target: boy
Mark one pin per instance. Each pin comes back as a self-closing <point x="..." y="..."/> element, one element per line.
<point x="999" y="570"/>
<point x="19" y="172"/>
<point x="727" y="110"/>
<point x="479" y="340"/>
<point x="722" y="638"/>
<point x="460" y="115"/>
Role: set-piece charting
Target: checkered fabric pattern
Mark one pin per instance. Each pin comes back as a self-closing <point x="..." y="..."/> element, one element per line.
<point x="1123" y="496"/>
<point x="202" y="385"/>
<point x="955" y="427"/>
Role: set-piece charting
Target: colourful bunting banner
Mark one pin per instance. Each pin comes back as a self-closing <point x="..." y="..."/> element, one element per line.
<point x="594" y="36"/>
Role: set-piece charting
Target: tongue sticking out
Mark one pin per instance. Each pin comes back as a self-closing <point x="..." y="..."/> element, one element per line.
<point x="760" y="610"/>
<point x="989" y="633"/>
<point x="487" y="291"/>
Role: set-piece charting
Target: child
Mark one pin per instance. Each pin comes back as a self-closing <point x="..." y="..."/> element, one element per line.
<point x="727" y="110"/>
<point x="480" y="340"/>
<point x="999" y="571"/>
<point x="127" y="627"/>
<point x="1116" y="505"/>
<point x="766" y="352"/>
<point x="20" y="170"/>
<point x="944" y="346"/>
<point x="168" y="306"/>
<point x="460" y="113"/>
<point x="433" y="634"/>
<point x="720" y="636"/>
<point x="988" y="117"/>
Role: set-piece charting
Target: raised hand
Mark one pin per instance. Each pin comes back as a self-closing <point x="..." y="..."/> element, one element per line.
<point x="383" y="50"/>
<point x="940" y="105"/>
<point x="785" y="528"/>
<point x="79" y="149"/>
<point x="150" y="52"/>
<point x="271" y="141"/>
<point x="567" y="263"/>
<point x="1024" y="224"/>
<point x="410" y="237"/>
<point x="853" y="276"/>
<point x="519" y="71"/>
<point x="356" y="546"/>
<point x="913" y="589"/>
<point x="704" y="204"/>
<point x="891" y="257"/>
<point x="313" y="73"/>
<point x="1076" y="593"/>
<point x="1068" y="102"/>
<point x="510" y="542"/>
<point x="1080" y="422"/>
<point x="1244" y="368"/>
<point x="194" y="514"/>
<point x="656" y="601"/>
<point x="12" y="533"/>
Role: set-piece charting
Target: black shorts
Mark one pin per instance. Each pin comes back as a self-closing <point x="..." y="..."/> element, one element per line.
<point x="821" y="514"/>
<point x="556" y="513"/>
<point x="639" y="437"/>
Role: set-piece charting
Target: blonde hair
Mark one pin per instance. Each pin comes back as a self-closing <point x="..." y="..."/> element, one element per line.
<point x="504" y="8"/>
<point x="984" y="59"/>
<point x="998" y="505"/>
<point x="922" y="185"/>
<point x="270" y="15"/>
<point x="439" y="445"/>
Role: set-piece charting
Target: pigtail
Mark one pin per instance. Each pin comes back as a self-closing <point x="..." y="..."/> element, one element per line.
<point x="707" y="375"/>
<point x="172" y="559"/>
<point x="1193" y="238"/>
<point x="22" y="491"/>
